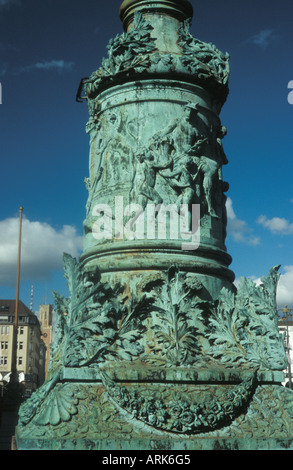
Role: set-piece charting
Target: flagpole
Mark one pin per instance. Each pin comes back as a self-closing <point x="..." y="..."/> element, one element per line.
<point x="14" y="375"/>
<point x="18" y="269"/>
<point x="13" y="396"/>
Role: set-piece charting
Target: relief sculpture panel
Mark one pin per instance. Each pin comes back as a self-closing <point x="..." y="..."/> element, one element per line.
<point x="161" y="155"/>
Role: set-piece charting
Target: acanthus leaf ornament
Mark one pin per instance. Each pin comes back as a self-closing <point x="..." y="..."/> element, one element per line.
<point x="101" y="328"/>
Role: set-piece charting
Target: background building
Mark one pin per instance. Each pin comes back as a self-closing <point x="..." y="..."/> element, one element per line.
<point x="28" y="346"/>
<point x="46" y="320"/>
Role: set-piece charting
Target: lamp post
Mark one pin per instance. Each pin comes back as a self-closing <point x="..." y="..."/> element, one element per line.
<point x="286" y="313"/>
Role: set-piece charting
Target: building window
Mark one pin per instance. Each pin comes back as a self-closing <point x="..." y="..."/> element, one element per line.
<point x="4" y="344"/>
<point x="20" y="361"/>
<point x="20" y="345"/>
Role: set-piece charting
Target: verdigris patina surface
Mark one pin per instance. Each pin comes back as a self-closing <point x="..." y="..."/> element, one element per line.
<point x="155" y="348"/>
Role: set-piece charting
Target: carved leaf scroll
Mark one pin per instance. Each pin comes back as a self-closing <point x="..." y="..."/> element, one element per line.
<point x="243" y="327"/>
<point x="203" y="59"/>
<point x="126" y="52"/>
<point x="175" y="337"/>
<point x="100" y="321"/>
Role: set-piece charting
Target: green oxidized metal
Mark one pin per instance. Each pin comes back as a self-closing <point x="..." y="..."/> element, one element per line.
<point x="156" y="138"/>
<point x="155" y="348"/>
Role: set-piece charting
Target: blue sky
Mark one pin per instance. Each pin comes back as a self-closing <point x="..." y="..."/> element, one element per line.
<point x="47" y="47"/>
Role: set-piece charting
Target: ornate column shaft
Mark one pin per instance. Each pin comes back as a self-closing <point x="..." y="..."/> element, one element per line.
<point x="156" y="143"/>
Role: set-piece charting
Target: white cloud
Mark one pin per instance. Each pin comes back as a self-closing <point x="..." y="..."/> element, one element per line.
<point x="285" y="288"/>
<point x="276" y="225"/>
<point x="263" y="38"/>
<point x="42" y="249"/>
<point x="58" y="65"/>
<point x="238" y="229"/>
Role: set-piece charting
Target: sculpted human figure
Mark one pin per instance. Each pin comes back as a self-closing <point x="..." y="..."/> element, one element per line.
<point x="144" y="177"/>
<point x="186" y="141"/>
<point x="107" y="162"/>
<point x="180" y="132"/>
<point x="221" y="156"/>
<point x="110" y="147"/>
<point x="208" y="170"/>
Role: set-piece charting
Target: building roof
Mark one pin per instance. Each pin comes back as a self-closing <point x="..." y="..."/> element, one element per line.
<point x="8" y="307"/>
<point x="25" y="315"/>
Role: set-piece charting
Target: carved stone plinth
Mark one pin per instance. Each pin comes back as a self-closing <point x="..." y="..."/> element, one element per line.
<point x="156" y="348"/>
<point x="181" y="411"/>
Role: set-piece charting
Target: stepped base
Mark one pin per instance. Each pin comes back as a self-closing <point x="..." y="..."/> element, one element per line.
<point x="160" y="416"/>
<point x="137" y="445"/>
